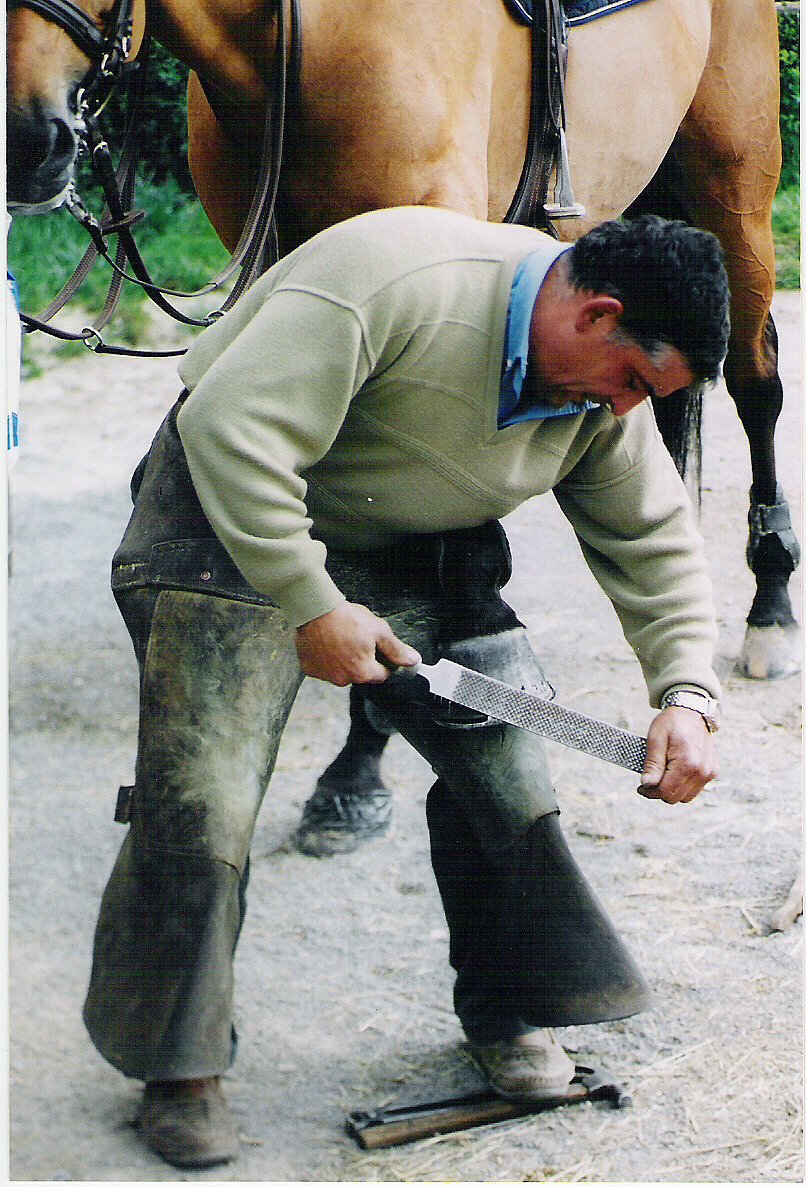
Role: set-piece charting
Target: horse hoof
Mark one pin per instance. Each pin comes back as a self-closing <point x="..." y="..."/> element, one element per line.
<point x="335" y="822"/>
<point x="770" y="652"/>
<point x="791" y="909"/>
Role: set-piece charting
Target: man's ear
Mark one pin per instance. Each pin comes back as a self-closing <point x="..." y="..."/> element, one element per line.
<point x="599" y="311"/>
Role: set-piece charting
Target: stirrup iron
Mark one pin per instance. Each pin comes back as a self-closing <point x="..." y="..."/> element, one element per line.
<point x="564" y="204"/>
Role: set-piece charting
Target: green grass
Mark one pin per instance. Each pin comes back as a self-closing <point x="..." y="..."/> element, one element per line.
<point x="175" y="239"/>
<point x="786" y="229"/>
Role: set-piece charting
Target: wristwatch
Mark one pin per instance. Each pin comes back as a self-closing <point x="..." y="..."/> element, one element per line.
<point x="709" y="709"/>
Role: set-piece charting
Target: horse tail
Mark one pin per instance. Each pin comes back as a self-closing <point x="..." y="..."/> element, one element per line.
<point x="679" y="416"/>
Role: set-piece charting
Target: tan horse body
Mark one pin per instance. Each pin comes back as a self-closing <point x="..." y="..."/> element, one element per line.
<point x="427" y="101"/>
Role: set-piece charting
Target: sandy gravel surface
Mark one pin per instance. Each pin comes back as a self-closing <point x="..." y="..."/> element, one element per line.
<point x="343" y="986"/>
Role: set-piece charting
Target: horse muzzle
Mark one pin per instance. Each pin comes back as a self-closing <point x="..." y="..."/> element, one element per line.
<point x="41" y="156"/>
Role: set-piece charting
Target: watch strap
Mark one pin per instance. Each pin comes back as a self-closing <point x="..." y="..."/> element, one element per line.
<point x="700" y="701"/>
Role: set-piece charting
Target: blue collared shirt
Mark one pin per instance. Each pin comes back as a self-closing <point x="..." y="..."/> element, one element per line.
<point x="530" y="275"/>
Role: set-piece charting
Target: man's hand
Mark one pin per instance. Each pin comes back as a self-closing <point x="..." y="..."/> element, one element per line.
<point x="680" y="757"/>
<point x="340" y="647"/>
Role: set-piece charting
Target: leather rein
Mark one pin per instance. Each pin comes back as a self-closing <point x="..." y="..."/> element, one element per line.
<point x="258" y="245"/>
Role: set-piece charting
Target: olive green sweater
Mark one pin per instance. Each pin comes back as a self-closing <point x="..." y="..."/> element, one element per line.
<point x="352" y="394"/>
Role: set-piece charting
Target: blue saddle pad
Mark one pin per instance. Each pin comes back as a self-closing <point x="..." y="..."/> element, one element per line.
<point x="577" y="12"/>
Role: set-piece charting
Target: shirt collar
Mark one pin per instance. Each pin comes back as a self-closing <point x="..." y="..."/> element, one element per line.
<point x="531" y="273"/>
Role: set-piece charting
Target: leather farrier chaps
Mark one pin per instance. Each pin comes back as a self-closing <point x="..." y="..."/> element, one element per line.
<point x="219" y="674"/>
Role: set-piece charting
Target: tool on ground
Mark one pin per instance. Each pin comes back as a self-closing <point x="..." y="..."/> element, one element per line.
<point x="399" y="1124"/>
<point x="528" y="711"/>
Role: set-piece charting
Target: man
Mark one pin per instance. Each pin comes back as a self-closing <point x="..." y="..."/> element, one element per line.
<point x="350" y="433"/>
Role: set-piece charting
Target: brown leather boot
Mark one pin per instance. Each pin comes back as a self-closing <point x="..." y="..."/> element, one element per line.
<point x="528" y="1067"/>
<point x="188" y="1122"/>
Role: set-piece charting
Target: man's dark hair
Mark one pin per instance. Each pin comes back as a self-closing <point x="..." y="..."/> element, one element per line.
<point x="671" y="280"/>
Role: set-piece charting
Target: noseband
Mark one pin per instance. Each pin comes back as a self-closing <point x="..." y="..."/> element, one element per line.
<point x="108" y="52"/>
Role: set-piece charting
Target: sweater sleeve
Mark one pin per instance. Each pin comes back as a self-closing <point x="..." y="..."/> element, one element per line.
<point x="268" y="407"/>
<point x="638" y="537"/>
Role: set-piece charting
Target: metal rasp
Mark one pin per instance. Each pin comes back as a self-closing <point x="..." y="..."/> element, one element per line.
<point x="528" y="711"/>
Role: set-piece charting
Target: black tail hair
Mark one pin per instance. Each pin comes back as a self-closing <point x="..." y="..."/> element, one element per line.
<point x="679" y="418"/>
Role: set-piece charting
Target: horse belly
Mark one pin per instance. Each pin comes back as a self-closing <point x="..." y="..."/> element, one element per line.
<point x="395" y="108"/>
<point x="631" y="80"/>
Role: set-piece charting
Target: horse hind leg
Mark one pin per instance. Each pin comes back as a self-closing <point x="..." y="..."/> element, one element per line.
<point x="729" y="151"/>
<point x="771" y="646"/>
<point x="771" y="642"/>
<point x="351" y="804"/>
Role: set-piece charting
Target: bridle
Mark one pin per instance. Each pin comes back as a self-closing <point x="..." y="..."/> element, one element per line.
<point x="108" y="52"/>
<point x="258" y="246"/>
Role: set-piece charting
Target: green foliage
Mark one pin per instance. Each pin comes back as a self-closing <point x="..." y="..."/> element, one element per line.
<point x="789" y="34"/>
<point x="786" y="209"/>
<point x="175" y="238"/>
<point x="162" y="122"/>
<point x="786" y="229"/>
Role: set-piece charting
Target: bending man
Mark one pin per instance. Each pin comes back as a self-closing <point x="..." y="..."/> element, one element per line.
<point x="327" y="488"/>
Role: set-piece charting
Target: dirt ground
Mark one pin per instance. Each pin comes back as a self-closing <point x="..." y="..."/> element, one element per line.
<point x="343" y="993"/>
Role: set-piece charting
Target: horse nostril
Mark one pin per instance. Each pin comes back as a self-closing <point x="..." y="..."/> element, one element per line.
<point x="39" y="144"/>
<point x="40" y="152"/>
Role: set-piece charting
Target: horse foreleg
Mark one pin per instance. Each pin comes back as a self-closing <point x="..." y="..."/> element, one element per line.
<point x="771" y="646"/>
<point x="729" y="149"/>
<point x="351" y="803"/>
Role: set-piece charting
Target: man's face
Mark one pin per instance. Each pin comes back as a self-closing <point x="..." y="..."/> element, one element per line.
<point x="582" y="355"/>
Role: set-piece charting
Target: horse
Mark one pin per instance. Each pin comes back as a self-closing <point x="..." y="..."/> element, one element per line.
<point x="671" y="105"/>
